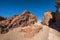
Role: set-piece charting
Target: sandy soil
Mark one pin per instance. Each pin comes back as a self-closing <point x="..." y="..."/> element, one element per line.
<point x="45" y="34"/>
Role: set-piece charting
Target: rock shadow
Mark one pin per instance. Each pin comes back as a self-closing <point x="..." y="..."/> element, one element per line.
<point x="52" y="23"/>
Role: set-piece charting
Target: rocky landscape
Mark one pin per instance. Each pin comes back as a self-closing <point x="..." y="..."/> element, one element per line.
<point x="25" y="26"/>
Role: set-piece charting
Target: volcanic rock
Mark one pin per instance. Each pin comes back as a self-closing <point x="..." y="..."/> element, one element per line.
<point x="31" y="30"/>
<point x="2" y="18"/>
<point x="52" y="17"/>
<point x="27" y="26"/>
<point x="3" y="25"/>
<point x="57" y="3"/>
<point x="57" y="15"/>
<point x="46" y="18"/>
<point x="23" y="19"/>
<point x="20" y="20"/>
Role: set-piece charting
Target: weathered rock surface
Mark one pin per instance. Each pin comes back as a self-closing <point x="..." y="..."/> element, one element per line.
<point x="52" y="17"/>
<point x="2" y="18"/>
<point x="16" y="33"/>
<point x="57" y="3"/>
<point x="31" y="30"/>
<point x="45" y="33"/>
<point x="47" y="17"/>
<point x="27" y="29"/>
<point x="21" y="20"/>
<point x="57" y="15"/>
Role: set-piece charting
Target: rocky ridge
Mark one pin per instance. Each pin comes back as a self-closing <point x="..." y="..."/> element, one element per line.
<point x="21" y="20"/>
<point x="48" y="29"/>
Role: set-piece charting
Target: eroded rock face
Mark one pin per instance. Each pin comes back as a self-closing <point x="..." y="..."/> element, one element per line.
<point x="47" y="17"/>
<point x="52" y="17"/>
<point x="3" y="25"/>
<point x="20" y="20"/>
<point x="23" y="19"/>
<point x="31" y="30"/>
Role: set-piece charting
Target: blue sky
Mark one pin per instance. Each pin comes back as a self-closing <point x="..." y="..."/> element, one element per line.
<point x="8" y="8"/>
